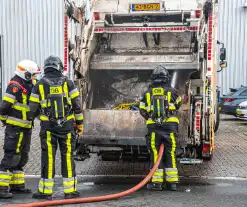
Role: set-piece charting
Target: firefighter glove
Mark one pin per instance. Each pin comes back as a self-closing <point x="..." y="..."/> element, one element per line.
<point x="79" y="129"/>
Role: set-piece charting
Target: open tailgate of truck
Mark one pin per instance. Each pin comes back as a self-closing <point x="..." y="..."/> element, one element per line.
<point x="113" y="127"/>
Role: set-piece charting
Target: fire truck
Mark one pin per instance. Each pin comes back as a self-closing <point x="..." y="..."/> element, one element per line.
<point x="116" y="46"/>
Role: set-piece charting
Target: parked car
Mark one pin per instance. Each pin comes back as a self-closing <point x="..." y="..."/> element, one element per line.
<point x="242" y="111"/>
<point x="230" y="102"/>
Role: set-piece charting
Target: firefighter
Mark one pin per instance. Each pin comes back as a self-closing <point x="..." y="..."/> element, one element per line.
<point x="60" y="105"/>
<point x="14" y="114"/>
<point x="159" y="107"/>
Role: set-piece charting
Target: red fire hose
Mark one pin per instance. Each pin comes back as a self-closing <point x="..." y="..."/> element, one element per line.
<point x="97" y="198"/>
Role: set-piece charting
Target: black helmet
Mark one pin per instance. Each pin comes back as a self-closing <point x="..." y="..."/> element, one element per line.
<point x="160" y="74"/>
<point x="53" y="62"/>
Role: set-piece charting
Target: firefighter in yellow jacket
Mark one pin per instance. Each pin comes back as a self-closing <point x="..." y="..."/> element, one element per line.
<point x="60" y="105"/>
<point x="159" y="107"/>
<point x="14" y="113"/>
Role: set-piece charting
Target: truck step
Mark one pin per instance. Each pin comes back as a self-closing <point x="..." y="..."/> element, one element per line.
<point x="190" y="161"/>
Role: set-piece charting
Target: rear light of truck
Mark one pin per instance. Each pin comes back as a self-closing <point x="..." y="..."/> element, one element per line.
<point x="229" y="99"/>
<point x="198" y="13"/>
<point x="195" y="14"/>
<point x="206" y="148"/>
<point x="96" y="15"/>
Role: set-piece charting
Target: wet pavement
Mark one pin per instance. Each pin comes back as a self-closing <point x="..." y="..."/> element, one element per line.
<point x="192" y="193"/>
<point x="221" y="182"/>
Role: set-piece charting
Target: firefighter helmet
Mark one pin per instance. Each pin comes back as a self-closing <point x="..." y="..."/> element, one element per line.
<point x="160" y="74"/>
<point x="53" y="62"/>
<point x="26" y="69"/>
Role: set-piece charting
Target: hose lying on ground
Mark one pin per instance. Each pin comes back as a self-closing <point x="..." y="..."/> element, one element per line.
<point x="97" y="198"/>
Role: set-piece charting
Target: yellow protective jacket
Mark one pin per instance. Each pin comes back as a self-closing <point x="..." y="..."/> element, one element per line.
<point x="146" y="107"/>
<point x="14" y="109"/>
<point x="40" y="93"/>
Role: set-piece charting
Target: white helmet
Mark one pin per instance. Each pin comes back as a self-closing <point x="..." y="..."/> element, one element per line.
<point x="26" y="69"/>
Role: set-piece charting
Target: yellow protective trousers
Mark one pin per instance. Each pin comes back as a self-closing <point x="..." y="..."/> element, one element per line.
<point x="49" y="144"/>
<point x="16" y="150"/>
<point x="167" y="170"/>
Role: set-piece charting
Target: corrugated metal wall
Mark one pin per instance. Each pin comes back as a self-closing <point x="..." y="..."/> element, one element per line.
<point x="232" y="30"/>
<point x="31" y="29"/>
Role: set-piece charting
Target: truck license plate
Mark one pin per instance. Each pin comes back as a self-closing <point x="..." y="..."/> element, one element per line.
<point x="145" y="7"/>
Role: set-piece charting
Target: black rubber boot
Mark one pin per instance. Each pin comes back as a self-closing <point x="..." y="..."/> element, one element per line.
<point x="39" y="195"/>
<point x="155" y="186"/>
<point x="75" y="194"/>
<point x="6" y="195"/>
<point x="19" y="190"/>
<point x="171" y="186"/>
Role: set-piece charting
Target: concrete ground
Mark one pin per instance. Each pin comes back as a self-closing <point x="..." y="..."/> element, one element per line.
<point x="217" y="190"/>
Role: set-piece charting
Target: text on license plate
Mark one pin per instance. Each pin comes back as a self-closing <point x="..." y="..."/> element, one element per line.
<point x="145" y="7"/>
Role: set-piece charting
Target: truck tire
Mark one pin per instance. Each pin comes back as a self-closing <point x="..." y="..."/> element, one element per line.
<point x="217" y="119"/>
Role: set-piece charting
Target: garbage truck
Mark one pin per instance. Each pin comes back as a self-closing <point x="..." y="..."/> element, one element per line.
<point x="118" y="45"/>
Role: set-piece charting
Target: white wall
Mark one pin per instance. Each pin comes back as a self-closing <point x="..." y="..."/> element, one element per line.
<point x="232" y="30"/>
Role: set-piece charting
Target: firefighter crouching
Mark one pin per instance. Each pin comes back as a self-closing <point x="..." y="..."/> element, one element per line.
<point x="60" y="105"/>
<point x="15" y="115"/>
<point x="159" y="107"/>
